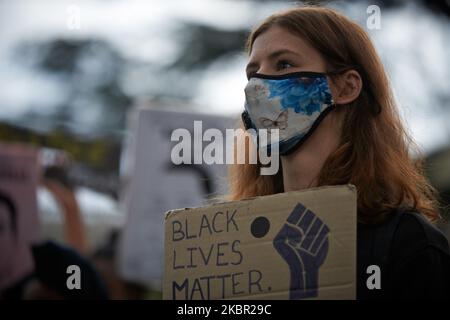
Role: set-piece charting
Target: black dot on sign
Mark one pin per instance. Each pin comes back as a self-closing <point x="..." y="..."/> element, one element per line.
<point x="260" y="226"/>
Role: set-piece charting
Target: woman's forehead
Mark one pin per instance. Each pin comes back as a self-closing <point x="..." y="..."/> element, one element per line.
<point x="277" y="40"/>
<point x="276" y="37"/>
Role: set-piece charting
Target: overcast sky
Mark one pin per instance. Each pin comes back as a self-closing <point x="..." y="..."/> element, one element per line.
<point x="414" y="46"/>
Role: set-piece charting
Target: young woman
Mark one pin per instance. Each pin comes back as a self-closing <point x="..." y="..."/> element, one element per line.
<point x="315" y="75"/>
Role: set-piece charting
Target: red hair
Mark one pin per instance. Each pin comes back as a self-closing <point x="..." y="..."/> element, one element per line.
<point x="373" y="151"/>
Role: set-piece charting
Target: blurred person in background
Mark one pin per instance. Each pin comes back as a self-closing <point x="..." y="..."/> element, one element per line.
<point x="12" y="253"/>
<point x="315" y="75"/>
<point x="104" y="259"/>
<point x="56" y="181"/>
<point x="46" y="278"/>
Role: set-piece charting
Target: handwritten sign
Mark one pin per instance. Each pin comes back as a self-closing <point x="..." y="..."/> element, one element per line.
<point x="297" y="245"/>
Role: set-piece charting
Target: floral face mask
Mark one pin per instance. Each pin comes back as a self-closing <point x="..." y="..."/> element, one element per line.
<point x="294" y="103"/>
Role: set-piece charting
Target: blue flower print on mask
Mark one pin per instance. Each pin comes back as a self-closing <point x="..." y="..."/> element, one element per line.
<point x="295" y="103"/>
<point x="303" y="94"/>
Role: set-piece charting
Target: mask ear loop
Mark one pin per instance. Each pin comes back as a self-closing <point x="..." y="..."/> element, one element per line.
<point x="334" y="73"/>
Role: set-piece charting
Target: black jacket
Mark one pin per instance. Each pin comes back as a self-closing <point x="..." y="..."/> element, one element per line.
<point x="413" y="255"/>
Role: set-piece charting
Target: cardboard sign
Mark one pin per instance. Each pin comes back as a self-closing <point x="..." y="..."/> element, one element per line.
<point x="154" y="185"/>
<point x="295" y="245"/>
<point x="18" y="211"/>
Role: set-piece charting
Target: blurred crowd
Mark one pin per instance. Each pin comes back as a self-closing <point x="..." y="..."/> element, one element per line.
<point x="37" y="268"/>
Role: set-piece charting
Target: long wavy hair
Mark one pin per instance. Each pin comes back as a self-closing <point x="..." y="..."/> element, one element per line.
<point x="373" y="153"/>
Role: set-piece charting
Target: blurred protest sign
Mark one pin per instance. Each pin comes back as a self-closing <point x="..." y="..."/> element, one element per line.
<point x="295" y="245"/>
<point x="18" y="211"/>
<point x="154" y="184"/>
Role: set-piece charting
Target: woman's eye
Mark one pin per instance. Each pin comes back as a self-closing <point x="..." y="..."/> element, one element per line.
<point x="283" y="64"/>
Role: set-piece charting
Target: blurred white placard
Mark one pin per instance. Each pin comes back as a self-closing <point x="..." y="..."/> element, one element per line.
<point x="153" y="185"/>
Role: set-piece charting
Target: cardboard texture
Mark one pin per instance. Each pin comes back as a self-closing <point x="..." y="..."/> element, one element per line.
<point x="294" y="245"/>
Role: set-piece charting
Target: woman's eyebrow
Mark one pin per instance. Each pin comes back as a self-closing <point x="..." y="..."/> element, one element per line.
<point x="278" y="53"/>
<point x="271" y="56"/>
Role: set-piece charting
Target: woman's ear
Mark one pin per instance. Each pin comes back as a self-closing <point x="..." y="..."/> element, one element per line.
<point x="346" y="87"/>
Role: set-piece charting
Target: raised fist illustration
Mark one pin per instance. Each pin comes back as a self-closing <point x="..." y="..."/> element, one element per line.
<point x="303" y="244"/>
